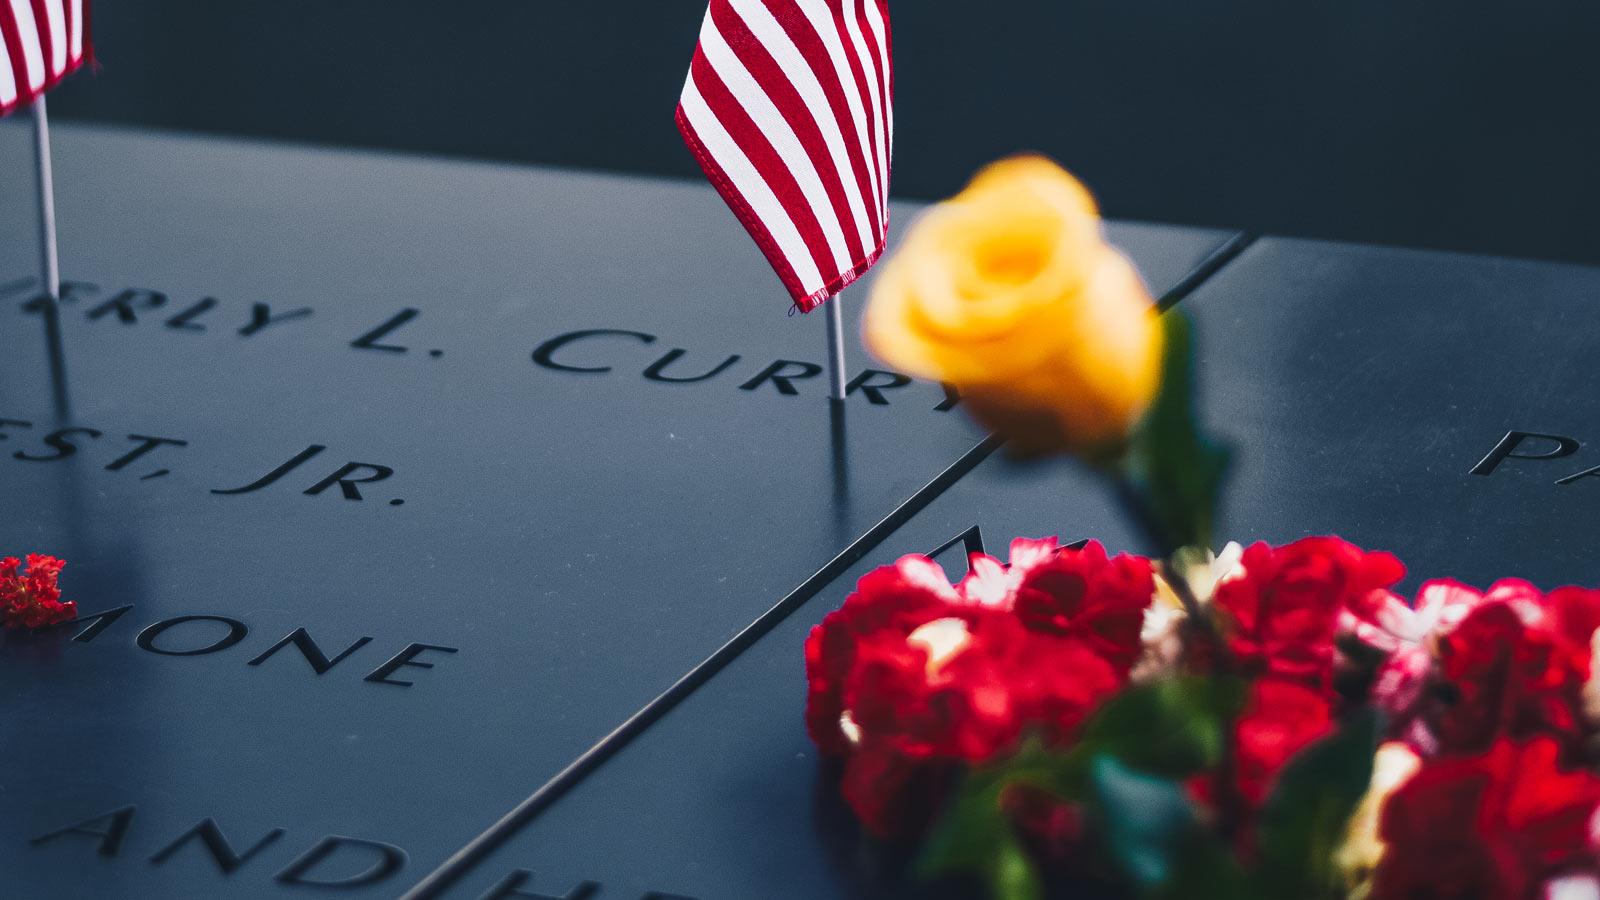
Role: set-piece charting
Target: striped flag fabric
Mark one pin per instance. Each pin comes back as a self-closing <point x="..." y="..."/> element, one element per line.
<point x="789" y="110"/>
<point x="41" y="42"/>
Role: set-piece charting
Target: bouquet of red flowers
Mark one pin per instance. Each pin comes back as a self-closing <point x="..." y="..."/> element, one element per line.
<point x="1266" y="722"/>
<point x="1303" y="733"/>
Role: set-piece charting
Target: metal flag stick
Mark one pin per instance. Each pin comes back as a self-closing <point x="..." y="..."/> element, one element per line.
<point x="49" y="260"/>
<point x="836" y="348"/>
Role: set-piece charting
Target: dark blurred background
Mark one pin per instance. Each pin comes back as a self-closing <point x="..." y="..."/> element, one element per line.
<point x="1446" y="123"/>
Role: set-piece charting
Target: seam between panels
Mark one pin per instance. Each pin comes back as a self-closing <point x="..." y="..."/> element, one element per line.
<point x="1225" y="253"/>
<point x="433" y="885"/>
<point x="462" y="860"/>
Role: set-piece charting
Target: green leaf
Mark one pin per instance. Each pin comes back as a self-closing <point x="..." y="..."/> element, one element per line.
<point x="968" y="834"/>
<point x="1206" y="869"/>
<point x="1151" y="735"/>
<point x="1172" y="728"/>
<point x="1172" y="473"/>
<point x="1304" y="821"/>
<point x="1145" y="821"/>
<point x="1148" y="741"/>
<point x="975" y="837"/>
<point x="1012" y="875"/>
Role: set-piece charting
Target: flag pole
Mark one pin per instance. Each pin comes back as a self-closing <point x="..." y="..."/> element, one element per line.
<point x="836" y="348"/>
<point x="49" y="260"/>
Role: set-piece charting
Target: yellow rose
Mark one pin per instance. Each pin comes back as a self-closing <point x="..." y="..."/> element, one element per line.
<point x="1009" y="292"/>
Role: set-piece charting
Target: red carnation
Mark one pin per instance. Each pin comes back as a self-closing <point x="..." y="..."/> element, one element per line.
<point x="1495" y="826"/>
<point x="33" y="600"/>
<point x="1060" y="681"/>
<point x="1286" y="605"/>
<point x="1509" y="676"/>
<point x="1572" y="615"/>
<point x="912" y="680"/>
<point x="1085" y="594"/>
<point x="1280" y="718"/>
<point x="947" y="689"/>
<point x="891" y="600"/>
<point x="1408" y="633"/>
<point x="959" y="691"/>
<point x="894" y="795"/>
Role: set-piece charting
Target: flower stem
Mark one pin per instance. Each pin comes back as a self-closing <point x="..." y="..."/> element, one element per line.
<point x="1178" y="580"/>
<point x="1170" y="564"/>
<point x="1172" y="569"/>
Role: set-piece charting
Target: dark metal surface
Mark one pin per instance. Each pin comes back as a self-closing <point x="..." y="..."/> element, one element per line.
<point x="1364" y="385"/>
<point x="566" y="543"/>
<point x="1362" y="388"/>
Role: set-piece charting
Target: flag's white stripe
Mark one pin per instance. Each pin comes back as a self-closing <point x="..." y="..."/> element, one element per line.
<point x="869" y="66"/>
<point x="32" y="52"/>
<point x="77" y="30"/>
<point x="747" y="91"/>
<point x="8" y="79"/>
<point x="751" y="186"/>
<point x="880" y="30"/>
<point x="55" y="16"/>
<point x="777" y="42"/>
<point x="821" y="19"/>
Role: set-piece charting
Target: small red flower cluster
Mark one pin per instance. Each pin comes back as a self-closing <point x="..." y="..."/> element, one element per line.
<point x="1505" y="824"/>
<point x="33" y="600"/>
<point x="1488" y="689"/>
<point x="1280" y="612"/>
<point x="914" y="678"/>
<point x="1496" y="694"/>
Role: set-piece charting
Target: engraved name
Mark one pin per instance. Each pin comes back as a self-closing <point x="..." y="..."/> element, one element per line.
<point x="205" y="634"/>
<point x="58" y="444"/>
<point x="331" y="863"/>
<point x="590" y="351"/>
<point x="1534" y="446"/>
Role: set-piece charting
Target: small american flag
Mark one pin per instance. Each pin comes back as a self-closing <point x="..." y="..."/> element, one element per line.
<point x="789" y="110"/>
<point x="41" y="42"/>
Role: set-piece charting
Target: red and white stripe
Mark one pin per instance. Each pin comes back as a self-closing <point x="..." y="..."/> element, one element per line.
<point x="41" y="42"/>
<point x="789" y="110"/>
